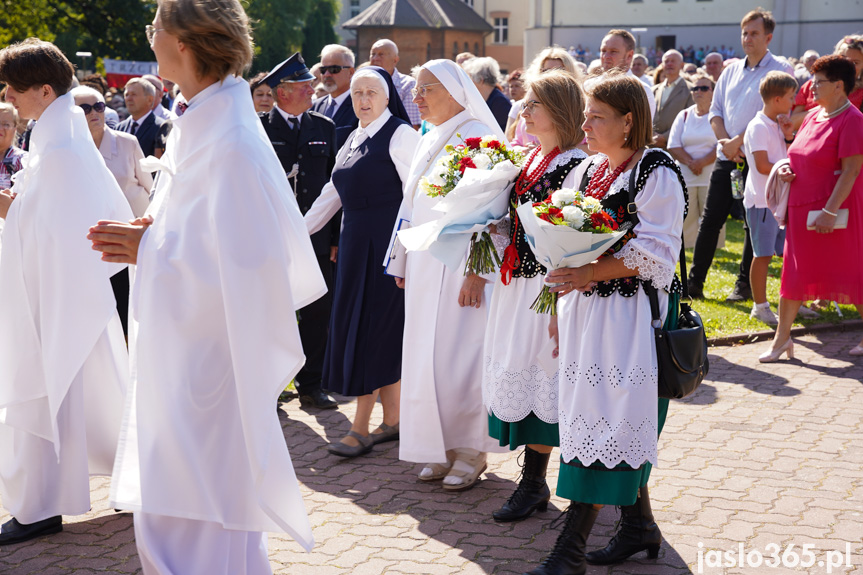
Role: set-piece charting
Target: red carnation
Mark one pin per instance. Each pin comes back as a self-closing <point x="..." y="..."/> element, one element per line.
<point x="465" y="163"/>
<point x="555" y="212"/>
<point x="600" y="219"/>
<point x="494" y="145"/>
<point x="473" y="143"/>
<point x="544" y="217"/>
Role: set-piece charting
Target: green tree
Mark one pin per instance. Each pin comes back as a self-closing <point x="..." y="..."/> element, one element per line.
<point x="277" y="28"/>
<point x="319" y="31"/>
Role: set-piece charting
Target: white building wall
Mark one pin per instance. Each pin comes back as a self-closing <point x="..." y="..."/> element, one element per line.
<point x="801" y="24"/>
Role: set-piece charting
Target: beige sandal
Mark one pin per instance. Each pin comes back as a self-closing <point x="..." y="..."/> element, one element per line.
<point x="465" y="472"/>
<point x="437" y="471"/>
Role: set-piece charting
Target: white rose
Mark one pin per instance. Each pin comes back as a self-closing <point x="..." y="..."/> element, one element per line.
<point x="481" y="161"/>
<point x="562" y="197"/>
<point x="436" y="179"/>
<point x="573" y="216"/>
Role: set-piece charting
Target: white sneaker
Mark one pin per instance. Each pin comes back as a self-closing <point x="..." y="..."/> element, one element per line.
<point x="806" y="313"/>
<point x="764" y="314"/>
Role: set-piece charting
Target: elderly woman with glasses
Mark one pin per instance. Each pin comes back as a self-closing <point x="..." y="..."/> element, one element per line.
<point x="364" y="355"/>
<point x="223" y="263"/>
<point x="443" y="423"/>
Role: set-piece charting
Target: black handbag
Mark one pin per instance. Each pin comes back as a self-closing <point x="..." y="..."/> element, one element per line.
<point x="681" y="352"/>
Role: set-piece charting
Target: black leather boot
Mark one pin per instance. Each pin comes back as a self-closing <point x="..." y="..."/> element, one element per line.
<point x="532" y="493"/>
<point x="567" y="557"/>
<point x="637" y="531"/>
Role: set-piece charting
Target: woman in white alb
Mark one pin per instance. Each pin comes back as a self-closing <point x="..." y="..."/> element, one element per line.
<point x="223" y="263"/>
<point x="443" y="423"/>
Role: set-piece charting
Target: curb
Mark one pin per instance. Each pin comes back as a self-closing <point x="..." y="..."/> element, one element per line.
<point x="753" y="337"/>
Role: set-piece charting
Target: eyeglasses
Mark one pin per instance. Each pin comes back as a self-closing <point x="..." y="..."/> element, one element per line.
<point x="332" y="70"/>
<point x="700" y="89"/>
<point x="98" y="106"/>
<point x="151" y="32"/>
<point x="423" y="90"/>
<point x="529" y="105"/>
<point x="6" y="126"/>
<point x="817" y="83"/>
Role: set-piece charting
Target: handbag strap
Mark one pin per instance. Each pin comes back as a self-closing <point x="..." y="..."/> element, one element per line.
<point x="632" y="210"/>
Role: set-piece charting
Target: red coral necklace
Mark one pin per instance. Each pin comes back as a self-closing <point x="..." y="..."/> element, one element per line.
<point x="601" y="180"/>
<point x="526" y="180"/>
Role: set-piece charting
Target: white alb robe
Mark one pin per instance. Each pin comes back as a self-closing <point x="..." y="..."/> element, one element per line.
<point x="441" y="398"/>
<point x="213" y="331"/>
<point x="63" y="360"/>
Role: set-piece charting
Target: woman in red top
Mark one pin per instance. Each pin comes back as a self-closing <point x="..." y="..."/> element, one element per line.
<point x="851" y="47"/>
<point x="826" y="158"/>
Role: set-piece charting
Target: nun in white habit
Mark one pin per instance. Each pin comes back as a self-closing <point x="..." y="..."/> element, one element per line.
<point x="63" y="360"/>
<point x="443" y="422"/>
<point x="222" y="267"/>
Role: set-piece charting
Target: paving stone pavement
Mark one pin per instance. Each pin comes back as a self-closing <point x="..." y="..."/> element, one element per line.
<point x="761" y="455"/>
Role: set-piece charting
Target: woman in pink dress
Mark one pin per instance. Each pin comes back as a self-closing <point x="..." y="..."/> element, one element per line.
<point x="826" y="158"/>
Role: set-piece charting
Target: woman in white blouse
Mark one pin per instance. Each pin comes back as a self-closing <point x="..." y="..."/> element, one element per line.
<point x="364" y="347"/>
<point x="610" y="413"/>
<point x="121" y="151"/>
<point x="693" y="144"/>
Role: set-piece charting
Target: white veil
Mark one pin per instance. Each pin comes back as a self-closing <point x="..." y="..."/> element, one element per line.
<point x="463" y="90"/>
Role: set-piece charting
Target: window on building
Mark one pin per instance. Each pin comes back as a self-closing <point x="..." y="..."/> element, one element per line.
<point x="428" y="52"/>
<point x="468" y="2"/>
<point x="355" y="8"/>
<point x="476" y="48"/>
<point x="454" y="50"/>
<point x="501" y="30"/>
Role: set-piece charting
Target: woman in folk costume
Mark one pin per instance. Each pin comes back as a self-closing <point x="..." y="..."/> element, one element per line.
<point x="520" y="396"/>
<point x="63" y="360"/>
<point x="443" y="423"/>
<point x="223" y="263"/>
<point x="364" y="347"/>
<point x="610" y="414"/>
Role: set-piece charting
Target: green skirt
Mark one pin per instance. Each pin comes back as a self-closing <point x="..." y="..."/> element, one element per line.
<point x="529" y="431"/>
<point x="619" y="486"/>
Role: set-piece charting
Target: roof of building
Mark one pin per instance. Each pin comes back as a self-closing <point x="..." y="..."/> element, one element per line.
<point x="450" y="14"/>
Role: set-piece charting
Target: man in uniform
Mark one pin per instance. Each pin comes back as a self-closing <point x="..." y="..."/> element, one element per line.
<point x="305" y="142"/>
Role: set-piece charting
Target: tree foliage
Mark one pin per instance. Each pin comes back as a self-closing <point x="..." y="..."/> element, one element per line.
<point x="115" y="28"/>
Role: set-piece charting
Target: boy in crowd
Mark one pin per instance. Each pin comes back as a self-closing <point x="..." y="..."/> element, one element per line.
<point x="765" y="143"/>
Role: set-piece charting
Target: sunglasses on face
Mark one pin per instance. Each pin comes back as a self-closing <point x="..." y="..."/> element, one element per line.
<point x="333" y="70"/>
<point x="98" y="106"/>
<point x="700" y="89"/>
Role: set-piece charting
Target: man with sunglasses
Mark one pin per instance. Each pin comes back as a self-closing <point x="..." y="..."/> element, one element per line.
<point x="672" y="95"/>
<point x="63" y="361"/>
<point x="337" y="67"/>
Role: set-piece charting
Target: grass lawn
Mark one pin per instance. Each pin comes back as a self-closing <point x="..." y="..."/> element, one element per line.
<point x="721" y="318"/>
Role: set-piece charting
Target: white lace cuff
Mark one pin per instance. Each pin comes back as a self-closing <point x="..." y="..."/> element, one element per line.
<point x="659" y="272"/>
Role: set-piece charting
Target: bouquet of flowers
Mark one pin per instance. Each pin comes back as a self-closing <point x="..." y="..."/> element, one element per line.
<point x="472" y="182"/>
<point x="568" y="229"/>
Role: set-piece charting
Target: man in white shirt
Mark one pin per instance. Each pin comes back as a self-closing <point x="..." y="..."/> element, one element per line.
<point x="672" y="96"/>
<point x="150" y="130"/>
<point x="616" y="52"/>
<point x="736" y="100"/>
<point x="385" y="53"/>
<point x="337" y="67"/>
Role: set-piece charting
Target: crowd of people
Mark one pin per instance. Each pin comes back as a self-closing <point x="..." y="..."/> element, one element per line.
<point x="266" y="251"/>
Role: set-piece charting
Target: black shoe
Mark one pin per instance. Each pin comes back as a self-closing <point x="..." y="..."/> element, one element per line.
<point x="637" y="531"/>
<point x="319" y="399"/>
<point x="742" y="292"/>
<point x="15" y="532"/>
<point x="567" y="557"/>
<point x="532" y="493"/>
<point x="696" y="289"/>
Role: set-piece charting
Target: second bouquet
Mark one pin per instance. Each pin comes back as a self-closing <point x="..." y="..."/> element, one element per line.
<point x="569" y="230"/>
<point x="473" y="182"/>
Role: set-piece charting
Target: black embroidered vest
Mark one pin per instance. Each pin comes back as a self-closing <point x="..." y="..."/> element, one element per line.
<point x="552" y="181"/>
<point x="615" y="204"/>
